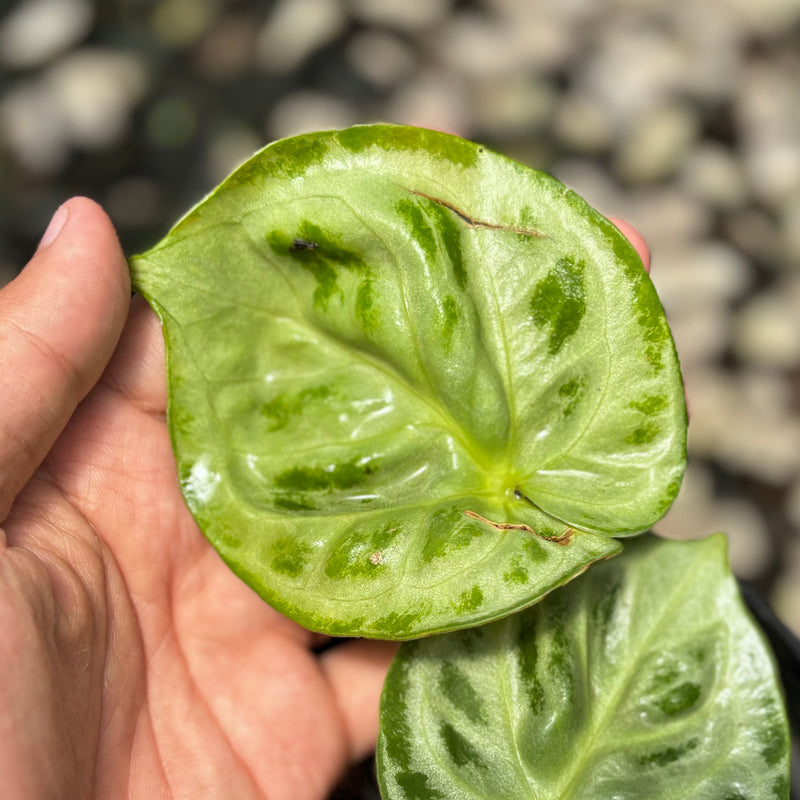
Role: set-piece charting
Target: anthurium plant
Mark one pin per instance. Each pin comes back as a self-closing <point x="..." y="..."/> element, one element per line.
<point x="417" y="388"/>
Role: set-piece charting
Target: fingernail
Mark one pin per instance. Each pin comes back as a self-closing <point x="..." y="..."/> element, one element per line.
<point x="55" y="226"/>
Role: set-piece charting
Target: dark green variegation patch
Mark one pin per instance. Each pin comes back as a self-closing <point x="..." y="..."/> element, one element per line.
<point x="469" y="600"/>
<point x="455" y="686"/>
<point x="414" y="386"/>
<point x="290" y="557"/>
<point x="459" y="749"/>
<point x="571" y="392"/>
<point x="362" y="139"/>
<point x="323" y="257"/>
<point x="280" y="409"/>
<point x="644" y="679"/>
<point x="558" y="302"/>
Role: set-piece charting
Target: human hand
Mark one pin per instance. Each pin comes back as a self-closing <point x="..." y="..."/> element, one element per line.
<point x="133" y="662"/>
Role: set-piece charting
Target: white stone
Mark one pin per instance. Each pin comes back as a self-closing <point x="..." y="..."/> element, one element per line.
<point x="549" y="35"/>
<point x="584" y="123"/>
<point x="748" y="539"/>
<point x="711" y="46"/>
<point x="697" y="513"/>
<point x="595" y="185"/>
<point x="766" y="391"/>
<point x="773" y="170"/>
<point x="133" y="202"/>
<point x="95" y="91"/>
<point x="295" y="29"/>
<point x="664" y="215"/>
<point x="172" y="122"/>
<point x="486" y="48"/>
<point x="477" y="47"/>
<point x="632" y="69"/>
<point x="516" y="106"/>
<point x="180" y="23"/>
<point x="31" y="128"/>
<point x="409" y="15"/>
<point x="712" y="174"/>
<point x="702" y="333"/>
<point x="382" y="58"/>
<point x="744" y="422"/>
<point x="635" y="56"/>
<point x="693" y="274"/>
<point x="768" y="113"/>
<point x="786" y="594"/>
<point x="767" y="330"/>
<point x="754" y="232"/>
<point x="305" y="112"/>
<point x="793" y="504"/>
<point x="84" y="99"/>
<point x="227" y="50"/>
<point x="686" y="518"/>
<point x="766" y="104"/>
<point x="789" y="231"/>
<point x="36" y="31"/>
<point x="655" y="145"/>
<point x="229" y="149"/>
<point x="435" y="99"/>
<point x="766" y="17"/>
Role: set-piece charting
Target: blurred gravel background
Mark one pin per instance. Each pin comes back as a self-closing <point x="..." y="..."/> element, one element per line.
<point x="682" y="117"/>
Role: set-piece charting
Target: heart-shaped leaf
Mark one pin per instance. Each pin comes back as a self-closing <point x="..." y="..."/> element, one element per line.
<point x="645" y="678"/>
<point x="414" y="385"/>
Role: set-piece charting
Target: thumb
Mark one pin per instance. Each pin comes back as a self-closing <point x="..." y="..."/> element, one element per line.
<point x="59" y="323"/>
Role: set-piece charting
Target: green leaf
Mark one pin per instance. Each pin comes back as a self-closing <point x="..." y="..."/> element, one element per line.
<point x="414" y="385"/>
<point x="645" y="678"/>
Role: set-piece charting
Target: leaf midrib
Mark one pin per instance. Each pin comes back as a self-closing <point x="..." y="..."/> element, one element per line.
<point x="629" y="674"/>
<point x="476" y="453"/>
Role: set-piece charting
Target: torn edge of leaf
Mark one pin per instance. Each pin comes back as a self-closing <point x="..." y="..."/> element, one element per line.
<point x="478" y="223"/>
<point x="563" y="539"/>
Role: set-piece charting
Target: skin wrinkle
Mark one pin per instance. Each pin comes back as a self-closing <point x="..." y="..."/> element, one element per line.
<point x="152" y="668"/>
<point x="58" y="565"/>
<point x="77" y="599"/>
<point x="19" y="442"/>
<point x="69" y="369"/>
<point x="113" y="386"/>
<point x="207" y="706"/>
<point x="109" y="709"/>
<point x="44" y="618"/>
<point x="56" y="481"/>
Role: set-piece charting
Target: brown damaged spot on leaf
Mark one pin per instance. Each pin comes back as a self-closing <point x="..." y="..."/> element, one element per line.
<point x="563" y="539"/>
<point x="478" y="223"/>
<point x="502" y="526"/>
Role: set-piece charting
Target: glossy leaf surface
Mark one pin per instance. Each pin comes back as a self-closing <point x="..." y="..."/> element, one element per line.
<point x="645" y="678"/>
<point x="414" y="385"/>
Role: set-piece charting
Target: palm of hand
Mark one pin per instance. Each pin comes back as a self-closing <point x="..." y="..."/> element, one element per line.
<point x="135" y="663"/>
